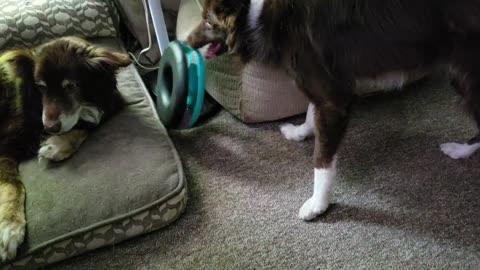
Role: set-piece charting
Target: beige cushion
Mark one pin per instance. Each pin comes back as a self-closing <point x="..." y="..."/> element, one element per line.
<point x="253" y="92"/>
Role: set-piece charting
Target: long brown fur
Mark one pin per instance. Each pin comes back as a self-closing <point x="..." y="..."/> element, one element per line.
<point x="31" y="85"/>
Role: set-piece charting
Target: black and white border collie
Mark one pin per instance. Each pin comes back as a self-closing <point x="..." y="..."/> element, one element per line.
<point x="328" y="46"/>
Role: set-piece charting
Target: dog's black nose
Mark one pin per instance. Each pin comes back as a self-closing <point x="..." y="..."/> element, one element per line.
<point x="55" y="129"/>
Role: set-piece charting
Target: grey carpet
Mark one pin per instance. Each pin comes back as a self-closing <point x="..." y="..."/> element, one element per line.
<point x="399" y="202"/>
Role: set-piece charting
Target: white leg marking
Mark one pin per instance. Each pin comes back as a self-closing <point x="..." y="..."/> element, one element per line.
<point x="318" y="203"/>
<point x="256" y="7"/>
<point x="303" y="131"/>
<point x="458" y="150"/>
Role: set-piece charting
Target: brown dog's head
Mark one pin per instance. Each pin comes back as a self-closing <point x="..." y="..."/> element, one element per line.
<point x="77" y="82"/>
<point x="218" y="27"/>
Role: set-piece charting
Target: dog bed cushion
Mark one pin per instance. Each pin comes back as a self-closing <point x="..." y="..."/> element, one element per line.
<point x="29" y="23"/>
<point x="126" y="180"/>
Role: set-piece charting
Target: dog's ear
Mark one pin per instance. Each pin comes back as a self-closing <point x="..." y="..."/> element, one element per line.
<point x="101" y="58"/>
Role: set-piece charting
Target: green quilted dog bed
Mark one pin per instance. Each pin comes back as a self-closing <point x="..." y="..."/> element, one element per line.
<point x="126" y="180"/>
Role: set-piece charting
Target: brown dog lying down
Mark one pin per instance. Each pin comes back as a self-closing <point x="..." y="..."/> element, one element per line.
<point x="54" y="93"/>
<point x="329" y="46"/>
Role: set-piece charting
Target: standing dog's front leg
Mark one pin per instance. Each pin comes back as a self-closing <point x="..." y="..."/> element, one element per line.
<point x="330" y="99"/>
<point x="63" y="146"/>
<point x="330" y="125"/>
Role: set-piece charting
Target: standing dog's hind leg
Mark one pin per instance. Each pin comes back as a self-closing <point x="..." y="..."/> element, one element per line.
<point x="465" y="70"/>
<point x="303" y="131"/>
<point x="461" y="150"/>
<point x="466" y="150"/>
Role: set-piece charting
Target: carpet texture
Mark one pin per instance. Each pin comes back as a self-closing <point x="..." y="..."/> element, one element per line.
<point x="399" y="203"/>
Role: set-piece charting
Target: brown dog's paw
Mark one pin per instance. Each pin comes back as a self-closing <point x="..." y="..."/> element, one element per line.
<point x="12" y="233"/>
<point x="55" y="150"/>
<point x="12" y="209"/>
<point x="62" y="147"/>
<point x="12" y="219"/>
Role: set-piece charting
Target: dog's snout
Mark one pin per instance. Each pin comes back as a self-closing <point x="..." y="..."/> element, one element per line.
<point x="51" y="122"/>
<point x="53" y="128"/>
<point x="51" y="116"/>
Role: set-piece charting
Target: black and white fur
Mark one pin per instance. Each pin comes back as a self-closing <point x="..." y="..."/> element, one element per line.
<point x="331" y="46"/>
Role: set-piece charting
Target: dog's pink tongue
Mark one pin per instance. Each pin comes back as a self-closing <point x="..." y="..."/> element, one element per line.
<point x="213" y="50"/>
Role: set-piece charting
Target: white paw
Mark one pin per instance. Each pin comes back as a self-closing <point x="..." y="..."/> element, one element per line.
<point x="11" y="236"/>
<point x="312" y="208"/>
<point x="295" y="133"/>
<point x="457" y="150"/>
<point x="52" y="151"/>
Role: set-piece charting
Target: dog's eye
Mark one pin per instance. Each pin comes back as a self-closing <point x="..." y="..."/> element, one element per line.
<point x="42" y="87"/>
<point x="69" y="86"/>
